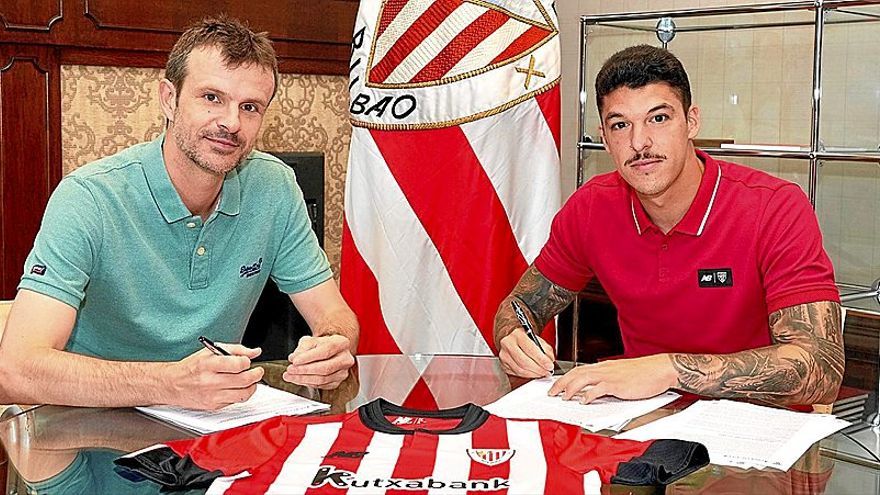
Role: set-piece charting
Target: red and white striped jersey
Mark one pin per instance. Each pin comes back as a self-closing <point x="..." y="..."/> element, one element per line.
<point x="383" y="448"/>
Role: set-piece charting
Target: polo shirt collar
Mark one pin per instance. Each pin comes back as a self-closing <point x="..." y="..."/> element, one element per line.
<point x="230" y="194"/>
<point x="694" y="221"/>
<point x="165" y="195"/>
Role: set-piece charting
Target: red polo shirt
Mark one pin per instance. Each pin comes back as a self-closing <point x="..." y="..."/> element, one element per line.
<point x="748" y="246"/>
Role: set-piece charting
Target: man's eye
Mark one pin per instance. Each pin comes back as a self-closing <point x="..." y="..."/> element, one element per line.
<point x="618" y="125"/>
<point x="249" y="107"/>
<point x="212" y="97"/>
<point x="659" y="118"/>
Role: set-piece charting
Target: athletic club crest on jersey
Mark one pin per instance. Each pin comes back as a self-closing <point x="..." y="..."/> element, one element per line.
<point x="409" y="59"/>
<point x="490" y="457"/>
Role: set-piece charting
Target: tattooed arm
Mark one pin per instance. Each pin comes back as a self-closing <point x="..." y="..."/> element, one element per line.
<point x="804" y="366"/>
<point x="542" y="300"/>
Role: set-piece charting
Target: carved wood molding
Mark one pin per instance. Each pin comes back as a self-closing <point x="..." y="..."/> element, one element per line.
<point x="18" y="58"/>
<point x="55" y="13"/>
<point x="280" y="18"/>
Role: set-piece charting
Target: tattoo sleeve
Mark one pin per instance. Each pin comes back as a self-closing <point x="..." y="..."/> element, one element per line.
<point x="541" y="298"/>
<point x="803" y="366"/>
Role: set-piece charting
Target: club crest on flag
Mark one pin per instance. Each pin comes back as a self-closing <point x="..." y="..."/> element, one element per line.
<point x="490" y="457"/>
<point x="408" y="58"/>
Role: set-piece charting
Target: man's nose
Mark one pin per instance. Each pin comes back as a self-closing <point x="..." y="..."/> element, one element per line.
<point x="640" y="139"/>
<point x="230" y="120"/>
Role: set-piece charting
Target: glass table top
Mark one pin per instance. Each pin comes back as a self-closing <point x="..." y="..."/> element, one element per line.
<point x="53" y="449"/>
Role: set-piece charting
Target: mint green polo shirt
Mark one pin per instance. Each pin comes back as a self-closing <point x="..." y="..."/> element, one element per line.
<point x="147" y="276"/>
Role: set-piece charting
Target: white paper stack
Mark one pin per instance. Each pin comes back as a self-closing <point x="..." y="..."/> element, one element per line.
<point x="607" y="413"/>
<point x="266" y="402"/>
<point x="743" y="435"/>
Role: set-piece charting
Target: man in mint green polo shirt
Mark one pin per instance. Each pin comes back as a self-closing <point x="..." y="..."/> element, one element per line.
<point x="142" y="252"/>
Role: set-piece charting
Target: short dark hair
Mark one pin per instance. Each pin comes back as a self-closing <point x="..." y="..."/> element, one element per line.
<point x="638" y="66"/>
<point x="237" y="43"/>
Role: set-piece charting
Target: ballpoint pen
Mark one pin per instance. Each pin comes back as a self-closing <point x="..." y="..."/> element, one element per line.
<point x="211" y="346"/>
<point x="530" y="332"/>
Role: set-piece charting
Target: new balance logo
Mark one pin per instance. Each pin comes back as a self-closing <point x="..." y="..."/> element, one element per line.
<point x="248" y="271"/>
<point x="715" y="277"/>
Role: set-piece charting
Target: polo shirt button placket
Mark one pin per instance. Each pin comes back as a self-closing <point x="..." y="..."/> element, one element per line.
<point x="201" y="257"/>
<point x="192" y="231"/>
<point x="662" y="270"/>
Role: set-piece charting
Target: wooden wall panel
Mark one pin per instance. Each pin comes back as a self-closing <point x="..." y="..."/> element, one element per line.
<point x="311" y="36"/>
<point x="30" y="151"/>
<point x="31" y="15"/>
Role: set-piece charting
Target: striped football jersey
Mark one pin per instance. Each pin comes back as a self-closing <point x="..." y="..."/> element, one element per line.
<point x="384" y="448"/>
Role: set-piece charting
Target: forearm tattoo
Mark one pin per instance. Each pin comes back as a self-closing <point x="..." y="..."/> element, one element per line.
<point x="541" y="299"/>
<point x="804" y="366"/>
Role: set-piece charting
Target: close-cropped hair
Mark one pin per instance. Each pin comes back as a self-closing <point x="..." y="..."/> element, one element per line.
<point x="638" y="66"/>
<point x="238" y="44"/>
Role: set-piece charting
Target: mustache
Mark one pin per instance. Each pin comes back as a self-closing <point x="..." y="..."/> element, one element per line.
<point x="226" y="136"/>
<point x="644" y="156"/>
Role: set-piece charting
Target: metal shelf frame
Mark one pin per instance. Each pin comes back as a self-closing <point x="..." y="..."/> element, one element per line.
<point x="816" y="152"/>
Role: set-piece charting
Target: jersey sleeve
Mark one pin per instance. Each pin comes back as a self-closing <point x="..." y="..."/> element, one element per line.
<point x="301" y="263"/>
<point x="66" y="247"/>
<point x="564" y="258"/>
<point x="626" y="462"/>
<point x="196" y="462"/>
<point x="793" y="263"/>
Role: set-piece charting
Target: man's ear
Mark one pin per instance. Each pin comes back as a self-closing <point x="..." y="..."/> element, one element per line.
<point x="693" y="120"/>
<point x="167" y="99"/>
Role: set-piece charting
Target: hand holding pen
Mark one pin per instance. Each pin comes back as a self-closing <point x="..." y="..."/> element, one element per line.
<point x="530" y="331"/>
<point x="204" y="381"/>
<point x="217" y="350"/>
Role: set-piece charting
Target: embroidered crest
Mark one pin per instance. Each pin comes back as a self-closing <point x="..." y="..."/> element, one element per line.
<point x="490" y="457"/>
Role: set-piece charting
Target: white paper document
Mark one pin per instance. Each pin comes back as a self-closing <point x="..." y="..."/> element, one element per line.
<point x="743" y="435"/>
<point x="266" y="402"/>
<point x="607" y="413"/>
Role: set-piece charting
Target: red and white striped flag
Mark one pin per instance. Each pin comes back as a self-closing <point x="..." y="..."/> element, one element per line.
<point x="453" y="177"/>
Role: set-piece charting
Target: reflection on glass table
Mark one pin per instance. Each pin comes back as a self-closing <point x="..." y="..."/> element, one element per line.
<point x="53" y="449"/>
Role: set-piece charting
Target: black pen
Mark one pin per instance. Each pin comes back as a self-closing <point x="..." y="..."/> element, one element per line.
<point x="530" y="332"/>
<point x="211" y="346"/>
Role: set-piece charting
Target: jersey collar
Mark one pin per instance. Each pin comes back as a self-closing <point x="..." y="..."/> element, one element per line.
<point x="373" y="415"/>
<point x="166" y="197"/>
<point x="695" y="219"/>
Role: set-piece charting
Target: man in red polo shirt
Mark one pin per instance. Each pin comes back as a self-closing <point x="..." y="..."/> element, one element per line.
<point x="717" y="270"/>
